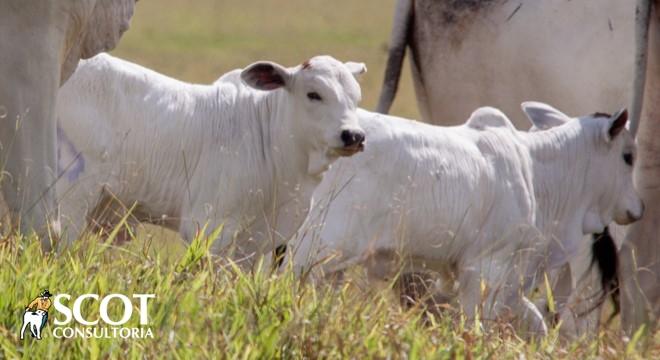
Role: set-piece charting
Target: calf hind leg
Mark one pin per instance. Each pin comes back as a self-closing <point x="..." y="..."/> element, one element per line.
<point x="108" y="215"/>
<point x="421" y="288"/>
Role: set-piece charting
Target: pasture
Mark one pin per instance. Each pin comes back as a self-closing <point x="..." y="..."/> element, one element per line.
<point x="202" y="40"/>
<point x="206" y="307"/>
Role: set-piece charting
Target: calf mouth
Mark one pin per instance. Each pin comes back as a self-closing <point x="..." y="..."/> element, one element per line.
<point x="349" y="150"/>
<point x="631" y="218"/>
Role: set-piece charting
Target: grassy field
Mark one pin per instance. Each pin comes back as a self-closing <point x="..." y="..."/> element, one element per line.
<point x="200" y="40"/>
<point x="208" y="308"/>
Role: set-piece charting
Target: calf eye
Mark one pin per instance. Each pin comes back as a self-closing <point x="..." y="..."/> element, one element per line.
<point x="314" y="96"/>
<point x="628" y="158"/>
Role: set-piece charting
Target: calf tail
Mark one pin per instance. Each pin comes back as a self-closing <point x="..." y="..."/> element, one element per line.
<point x="401" y="28"/>
<point x="605" y="257"/>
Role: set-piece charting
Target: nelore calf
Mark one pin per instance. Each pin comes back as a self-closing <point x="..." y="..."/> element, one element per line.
<point x="581" y="287"/>
<point x="245" y="153"/>
<point x="482" y="204"/>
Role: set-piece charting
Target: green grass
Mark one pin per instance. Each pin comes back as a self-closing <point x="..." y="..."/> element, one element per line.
<point x="210" y="308"/>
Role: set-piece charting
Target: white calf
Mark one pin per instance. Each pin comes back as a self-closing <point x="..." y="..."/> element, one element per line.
<point x="583" y="285"/>
<point x="481" y="201"/>
<point x="246" y="152"/>
<point x="32" y="320"/>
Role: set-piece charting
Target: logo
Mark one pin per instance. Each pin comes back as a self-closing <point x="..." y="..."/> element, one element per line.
<point x="70" y="322"/>
<point x="35" y="316"/>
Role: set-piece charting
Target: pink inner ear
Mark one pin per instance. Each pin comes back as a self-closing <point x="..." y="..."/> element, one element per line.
<point x="269" y="81"/>
<point x="601" y="115"/>
<point x="618" y="124"/>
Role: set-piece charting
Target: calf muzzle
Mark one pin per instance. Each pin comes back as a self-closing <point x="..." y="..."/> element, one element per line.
<point x="635" y="217"/>
<point x="353" y="142"/>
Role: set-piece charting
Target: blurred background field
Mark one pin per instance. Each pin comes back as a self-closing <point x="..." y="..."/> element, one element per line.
<point x="199" y="40"/>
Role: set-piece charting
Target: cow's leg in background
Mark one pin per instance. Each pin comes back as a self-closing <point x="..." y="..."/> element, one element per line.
<point x="41" y="43"/>
<point x="640" y="252"/>
<point x="29" y="79"/>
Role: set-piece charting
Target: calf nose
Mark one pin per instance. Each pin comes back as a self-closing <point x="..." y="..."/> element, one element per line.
<point x="634" y="217"/>
<point x="352" y="138"/>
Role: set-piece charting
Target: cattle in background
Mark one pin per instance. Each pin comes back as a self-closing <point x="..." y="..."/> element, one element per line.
<point x="481" y="201"/>
<point x="41" y="43"/>
<point x="246" y="152"/>
<point x="577" y="55"/>
<point x="640" y="251"/>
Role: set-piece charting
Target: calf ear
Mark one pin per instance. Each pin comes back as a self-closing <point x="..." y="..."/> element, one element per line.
<point x="615" y="124"/>
<point x="356" y="68"/>
<point x="266" y="75"/>
<point x="543" y="116"/>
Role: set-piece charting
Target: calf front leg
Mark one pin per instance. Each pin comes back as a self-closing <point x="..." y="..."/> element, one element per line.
<point x="499" y="302"/>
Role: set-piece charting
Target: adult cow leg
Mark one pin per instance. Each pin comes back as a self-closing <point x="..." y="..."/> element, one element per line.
<point x="28" y="172"/>
<point x="640" y="252"/>
<point x="29" y="79"/>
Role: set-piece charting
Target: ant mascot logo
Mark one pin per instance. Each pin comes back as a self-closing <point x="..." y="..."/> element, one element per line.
<point x="35" y="316"/>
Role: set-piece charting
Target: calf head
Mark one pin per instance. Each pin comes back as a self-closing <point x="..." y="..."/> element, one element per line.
<point x="608" y="182"/>
<point x="323" y="95"/>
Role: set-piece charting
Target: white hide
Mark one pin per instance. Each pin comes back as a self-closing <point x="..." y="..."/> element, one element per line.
<point x="189" y="155"/>
<point x="576" y="287"/>
<point x="481" y="200"/>
<point x="576" y="55"/>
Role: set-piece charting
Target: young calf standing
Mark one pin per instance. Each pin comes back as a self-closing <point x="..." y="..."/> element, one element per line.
<point x="246" y="152"/>
<point x="481" y="204"/>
